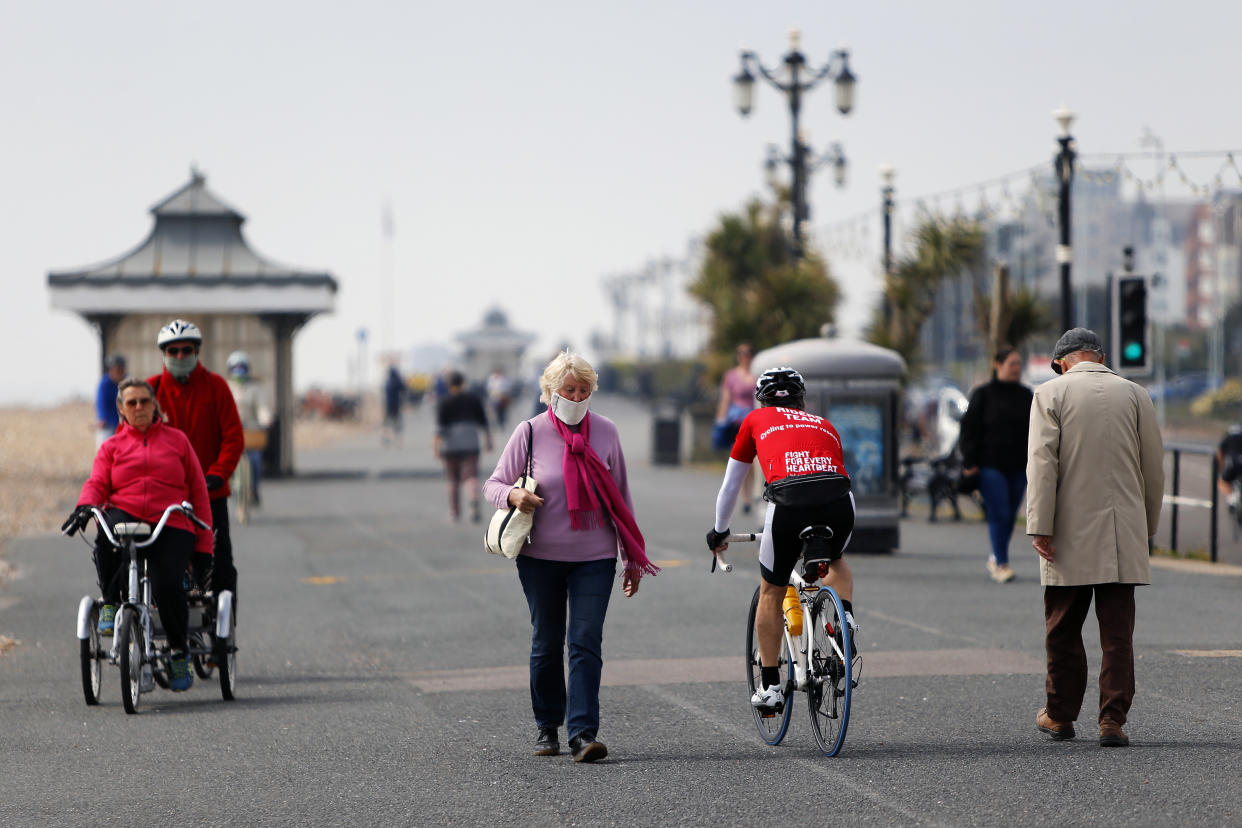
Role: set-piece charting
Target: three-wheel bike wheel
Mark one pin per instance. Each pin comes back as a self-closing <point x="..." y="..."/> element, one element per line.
<point x="204" y="666"/>
<point x="92" y="658"/>
<point x="129" y="642"/>
<point x="225" y="647"/>
<point x="831" y="681"/>
<point x="771" y="725"/>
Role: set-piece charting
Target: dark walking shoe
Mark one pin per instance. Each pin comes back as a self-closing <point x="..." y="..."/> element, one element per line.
<point x="548" y="744"/>
<point x="1111" y="734"/>
<point x="586" y="748"/>
<point x="1059" y="731"/>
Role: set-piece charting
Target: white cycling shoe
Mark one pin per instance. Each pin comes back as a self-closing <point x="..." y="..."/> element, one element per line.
<point x="769" y="698"/>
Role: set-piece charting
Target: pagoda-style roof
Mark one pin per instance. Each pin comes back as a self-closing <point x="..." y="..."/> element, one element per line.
<point x="195" y="257"/>
<point x="495" y="334"/>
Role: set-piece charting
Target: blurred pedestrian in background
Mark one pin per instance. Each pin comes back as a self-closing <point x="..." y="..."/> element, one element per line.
<point x="459" y="419"/>
<point x="256" y="415"/>
<point x="394" y="396"/>
<point x="499" y="395"/>
<point x="583" y="520"/>
<point x="993" y="444"/>
<point x="1229" y="461"/>
<point x="737" y="399"/>
<point x="1096" y="485"/>
<point x="106" y="417"/>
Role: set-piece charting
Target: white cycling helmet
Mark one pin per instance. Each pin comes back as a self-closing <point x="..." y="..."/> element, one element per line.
<point x="238" y="363"/>
<point x="179" y="330"/>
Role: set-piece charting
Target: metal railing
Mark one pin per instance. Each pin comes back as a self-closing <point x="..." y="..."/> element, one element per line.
<point x="1176" y="500"/>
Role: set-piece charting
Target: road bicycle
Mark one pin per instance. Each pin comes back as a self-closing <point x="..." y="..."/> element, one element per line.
<point x="245" y="495"/>
<point x="818" y="657"/>
<point x="139" y="646"/>
<point x="242" y="486"/>
<point x="1235" y="508"/>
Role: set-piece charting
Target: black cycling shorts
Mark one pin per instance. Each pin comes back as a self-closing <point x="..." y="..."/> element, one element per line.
<point x="788" y="522"/>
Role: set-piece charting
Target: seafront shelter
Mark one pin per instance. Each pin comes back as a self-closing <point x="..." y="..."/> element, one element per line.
<point x="196" y="265"/>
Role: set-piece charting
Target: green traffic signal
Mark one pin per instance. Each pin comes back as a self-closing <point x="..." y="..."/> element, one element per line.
<point x="1133" y="351"/>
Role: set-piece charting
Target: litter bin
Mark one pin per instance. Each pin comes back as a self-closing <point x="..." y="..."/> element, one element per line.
<point x="666" y="435"/>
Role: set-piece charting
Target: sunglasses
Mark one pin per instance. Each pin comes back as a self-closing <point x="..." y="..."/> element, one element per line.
<point x="134" y="402"/>
<point x="174" y="351"/>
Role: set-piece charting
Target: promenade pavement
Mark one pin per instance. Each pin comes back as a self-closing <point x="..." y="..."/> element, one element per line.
<point x="382" y="680"/>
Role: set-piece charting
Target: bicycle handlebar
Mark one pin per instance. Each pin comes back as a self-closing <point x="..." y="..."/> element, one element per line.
<point x="744" y="537"/>
<point x="184" y="507"/>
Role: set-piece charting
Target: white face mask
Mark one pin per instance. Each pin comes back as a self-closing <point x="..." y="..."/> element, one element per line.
<point x="568" y="412"/>
<point x="180" y="367"/>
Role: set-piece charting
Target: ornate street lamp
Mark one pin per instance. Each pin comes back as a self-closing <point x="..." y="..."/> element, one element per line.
<point x="798" y="79"/>
<point x="887" y="174"/>
<point x="1063" y="165"/>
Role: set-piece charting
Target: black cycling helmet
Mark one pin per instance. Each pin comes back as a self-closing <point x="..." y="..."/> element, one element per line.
<point x="781" y="385"/>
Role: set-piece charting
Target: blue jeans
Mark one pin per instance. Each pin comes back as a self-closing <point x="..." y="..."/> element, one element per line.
<point x="549" y="587"/>
<point x="1002" y="492"/>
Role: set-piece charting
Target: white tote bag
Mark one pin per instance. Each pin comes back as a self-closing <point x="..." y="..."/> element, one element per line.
<point x="510" y="527"/>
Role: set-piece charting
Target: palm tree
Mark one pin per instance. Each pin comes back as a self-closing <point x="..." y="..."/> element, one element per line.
<point x="943" y="248"/>
<point x="757" y="291"/>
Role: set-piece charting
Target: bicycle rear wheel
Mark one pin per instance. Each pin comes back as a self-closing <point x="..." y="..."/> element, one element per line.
<point x="831" y="684"/>
<point x="772" y="726"/>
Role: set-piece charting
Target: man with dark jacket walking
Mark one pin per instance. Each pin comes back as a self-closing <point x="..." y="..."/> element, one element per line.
<point x="200" y="403"/>
<point x="1096" y="485"/>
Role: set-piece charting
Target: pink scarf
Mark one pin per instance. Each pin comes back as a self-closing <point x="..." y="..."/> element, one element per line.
<point x="586" y="474"/>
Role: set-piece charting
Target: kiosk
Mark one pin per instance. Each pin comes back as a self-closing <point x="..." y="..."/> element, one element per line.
<point x="857" y="386"/>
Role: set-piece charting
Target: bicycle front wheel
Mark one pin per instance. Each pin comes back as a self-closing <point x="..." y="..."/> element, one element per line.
<point x="772" y="726"/>
<point x="132" y="649"/>
<point x="831" y="683"/>
<point x="92" y="655"/>
<point x="240" y="484"/>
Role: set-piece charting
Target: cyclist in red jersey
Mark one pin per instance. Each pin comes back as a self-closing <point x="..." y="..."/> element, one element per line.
<point x="802" y="461"/>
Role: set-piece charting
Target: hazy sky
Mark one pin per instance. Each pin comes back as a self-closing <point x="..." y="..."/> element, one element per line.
<point x="529" y="149"/>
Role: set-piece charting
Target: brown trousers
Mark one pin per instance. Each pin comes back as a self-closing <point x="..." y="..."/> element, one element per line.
<point x="1065" y="610"/>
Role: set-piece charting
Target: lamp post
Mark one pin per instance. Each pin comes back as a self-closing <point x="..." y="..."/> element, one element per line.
<point x="1063" y="164"/>
<point x="799" y="79"/>
<point x="887" y="174"/>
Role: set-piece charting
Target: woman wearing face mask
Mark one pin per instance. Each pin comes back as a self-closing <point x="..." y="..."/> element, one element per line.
<point x="583" y="521"/>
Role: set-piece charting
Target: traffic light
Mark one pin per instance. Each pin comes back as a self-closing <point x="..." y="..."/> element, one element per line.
<point x="1131" y="347"/>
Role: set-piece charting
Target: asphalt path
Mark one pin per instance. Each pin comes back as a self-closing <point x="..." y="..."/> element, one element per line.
<point x="382" y="680"/>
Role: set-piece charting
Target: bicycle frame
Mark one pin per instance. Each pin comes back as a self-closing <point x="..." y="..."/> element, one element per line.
<point x="807" y="591"/>
<point x="138" y="592"/>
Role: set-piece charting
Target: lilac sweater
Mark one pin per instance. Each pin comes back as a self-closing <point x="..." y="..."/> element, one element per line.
<point x="552" y="538"/>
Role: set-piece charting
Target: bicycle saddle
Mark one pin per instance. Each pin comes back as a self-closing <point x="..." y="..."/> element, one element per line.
<point x="817" y="531"/>
<point x="816" y="550"/>
<point x="135" y="530"/>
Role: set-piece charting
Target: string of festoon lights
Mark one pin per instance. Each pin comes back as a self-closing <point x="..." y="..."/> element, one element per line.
<point x="1029" y="193"/>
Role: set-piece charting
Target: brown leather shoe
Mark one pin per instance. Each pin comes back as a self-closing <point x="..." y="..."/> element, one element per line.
<point x="1111" y="734"/>
<point x="1059" y="731"/>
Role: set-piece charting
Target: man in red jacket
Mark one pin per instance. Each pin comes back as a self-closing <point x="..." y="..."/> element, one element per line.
<point x="200" y="403"/>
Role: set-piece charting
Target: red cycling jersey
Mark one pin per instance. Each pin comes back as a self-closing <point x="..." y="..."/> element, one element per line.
<point x="788" y="442"/>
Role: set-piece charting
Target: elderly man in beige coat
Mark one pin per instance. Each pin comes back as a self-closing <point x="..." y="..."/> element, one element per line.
<point x="1096" y="482"/>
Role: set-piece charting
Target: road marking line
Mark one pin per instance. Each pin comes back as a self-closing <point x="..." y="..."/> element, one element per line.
<point x="892" y="619"/>
<point x="1210" y="653"/>
<point x="1197" y="567"/>
<point x="716" y="669"/>
<point x="323" y="579"/>
<point x="815" y="765"/>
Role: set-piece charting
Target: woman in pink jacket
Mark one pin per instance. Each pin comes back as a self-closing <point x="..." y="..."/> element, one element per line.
<point x="138" y="473"/>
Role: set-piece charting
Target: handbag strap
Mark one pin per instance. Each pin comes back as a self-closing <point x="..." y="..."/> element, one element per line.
<point x="530" y="440"/>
